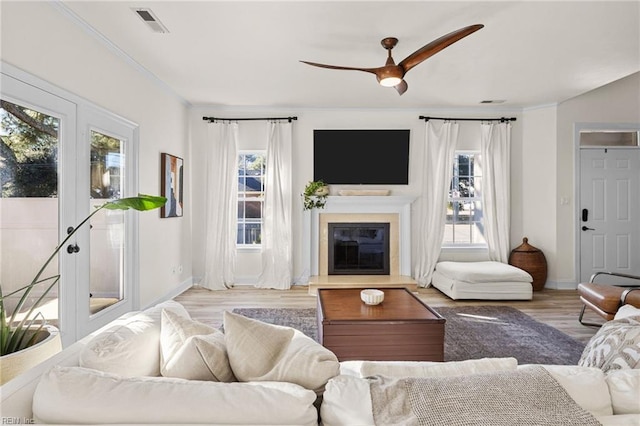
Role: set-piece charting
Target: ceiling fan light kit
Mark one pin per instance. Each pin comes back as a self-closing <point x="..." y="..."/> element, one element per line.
<point x="390" y="81"/>
<point x="392" y="75"/>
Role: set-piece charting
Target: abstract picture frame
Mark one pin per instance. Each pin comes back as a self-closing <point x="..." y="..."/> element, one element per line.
<point x="172" y="185"/>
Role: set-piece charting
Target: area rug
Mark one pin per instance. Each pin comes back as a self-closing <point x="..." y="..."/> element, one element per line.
<point x="471" y="332"/>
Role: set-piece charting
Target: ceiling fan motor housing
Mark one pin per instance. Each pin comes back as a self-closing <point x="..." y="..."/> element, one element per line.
<point x="394" y="72"/>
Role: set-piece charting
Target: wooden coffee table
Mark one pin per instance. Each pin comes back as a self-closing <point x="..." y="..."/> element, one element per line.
<point x="402" y="328"/>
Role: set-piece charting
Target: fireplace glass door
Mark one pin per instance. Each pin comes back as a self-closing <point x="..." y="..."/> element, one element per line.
<point x="358" y="248"/>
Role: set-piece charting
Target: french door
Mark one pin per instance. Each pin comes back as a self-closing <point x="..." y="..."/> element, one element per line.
<point x="61" y="157"/>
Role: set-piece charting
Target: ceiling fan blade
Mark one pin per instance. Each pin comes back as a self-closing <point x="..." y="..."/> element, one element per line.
<point x="436" y="46"/>
<point x="401" y="87"/>
<point x="337" y="67"/>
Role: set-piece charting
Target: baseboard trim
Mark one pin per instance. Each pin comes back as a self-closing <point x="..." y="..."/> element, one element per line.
<point x="561" y="285"/>
<point x="181" y="288"/>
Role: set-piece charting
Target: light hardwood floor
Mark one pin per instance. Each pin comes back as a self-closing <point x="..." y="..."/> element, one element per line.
<point x="557" y="308"/>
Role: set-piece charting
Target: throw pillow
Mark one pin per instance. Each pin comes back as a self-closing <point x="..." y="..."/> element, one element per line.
<point x="129" y="346"/>
<point x="192" y="350"/>
<point x="627" y="311"/>
<point x="615" y="346"/>
<point x="260" y="351"/>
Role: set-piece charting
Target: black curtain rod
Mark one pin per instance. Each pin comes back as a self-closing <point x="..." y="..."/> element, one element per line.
<point x="501" y="119"/>
<point x="214" y="119"/>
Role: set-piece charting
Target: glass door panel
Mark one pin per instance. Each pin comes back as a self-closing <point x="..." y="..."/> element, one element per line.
<point x="29" y="145"/>
<point x="107" y="239"/>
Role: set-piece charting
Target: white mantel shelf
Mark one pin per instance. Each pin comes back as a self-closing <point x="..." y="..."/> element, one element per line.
<point x="394" y="204"/>
<point x="351" y="202"/>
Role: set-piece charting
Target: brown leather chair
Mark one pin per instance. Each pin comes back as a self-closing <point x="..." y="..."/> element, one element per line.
<point x="606" y="299"/>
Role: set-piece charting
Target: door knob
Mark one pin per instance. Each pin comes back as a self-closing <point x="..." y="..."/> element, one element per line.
<point x="585" y="228"/>
<point x="73" y="248"/>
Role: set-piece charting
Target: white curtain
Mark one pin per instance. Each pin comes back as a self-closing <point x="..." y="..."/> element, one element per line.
<point x="277" y="266"/>
<point x="440" y="146"/>
<point x="496" y="148"/>
<point x="221" y="213"/>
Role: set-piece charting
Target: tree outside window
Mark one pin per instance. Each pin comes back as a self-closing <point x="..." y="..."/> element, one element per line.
<point x="28" y="152"/>
<point x="463" y="225"/>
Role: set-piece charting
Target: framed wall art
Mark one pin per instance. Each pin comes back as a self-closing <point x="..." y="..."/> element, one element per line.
<point x="171" y="185"/>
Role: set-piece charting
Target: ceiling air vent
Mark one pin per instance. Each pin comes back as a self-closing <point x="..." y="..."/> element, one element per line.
<point x="151" y="20"/>
<point x="493" y="101"/>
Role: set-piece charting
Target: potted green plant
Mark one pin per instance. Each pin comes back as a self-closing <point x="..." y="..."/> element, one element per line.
<point x="19" y="334"/>
<point x="315" y="195"/>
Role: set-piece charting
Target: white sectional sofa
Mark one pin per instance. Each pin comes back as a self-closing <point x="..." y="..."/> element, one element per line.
<point x="115" y="377"/>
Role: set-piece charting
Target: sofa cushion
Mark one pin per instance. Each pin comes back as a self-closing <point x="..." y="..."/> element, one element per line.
<point x="347" y="399"/>
<point x="587" y="386"/>
<point x="397" y="369"/>
<point x="624" y="387"/>
<point x="620" y="420"/>
<point x="131" y="346"/>
<point x="75" y="395"/>
<point x="260" y="351"/>
<point x="615" y="346"/>
<point x="192" y="350"/>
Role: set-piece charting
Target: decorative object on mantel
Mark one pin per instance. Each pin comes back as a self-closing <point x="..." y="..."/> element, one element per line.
<point x="315" y="195"/>
<point x="532" y="260"/>
<point x="365" y="192"/>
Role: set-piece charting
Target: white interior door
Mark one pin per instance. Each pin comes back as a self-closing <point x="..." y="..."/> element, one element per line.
<point x="609" y="222"/>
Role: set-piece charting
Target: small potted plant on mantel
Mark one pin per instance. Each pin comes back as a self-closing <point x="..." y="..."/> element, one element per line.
<point x="315" y="195"/>
<point x="26" y="339"/>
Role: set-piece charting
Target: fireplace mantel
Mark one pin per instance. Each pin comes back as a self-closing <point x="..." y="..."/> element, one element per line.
<point x="400" y="205"/>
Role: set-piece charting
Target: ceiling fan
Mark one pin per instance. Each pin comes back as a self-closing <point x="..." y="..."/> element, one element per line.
<point x="392" y="75"/>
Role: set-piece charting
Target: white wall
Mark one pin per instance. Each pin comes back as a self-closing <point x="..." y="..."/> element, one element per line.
<point x="38" y="39"/>
<point x="538" y="190"/>
<point x="308" y="120"/>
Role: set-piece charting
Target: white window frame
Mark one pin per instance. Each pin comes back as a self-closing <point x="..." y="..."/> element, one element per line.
<point x="475" y="199"/>
<point x="243" y="198"/>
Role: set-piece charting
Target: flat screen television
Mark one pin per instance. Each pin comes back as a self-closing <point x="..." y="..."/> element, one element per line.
<point x="364" y="157"/>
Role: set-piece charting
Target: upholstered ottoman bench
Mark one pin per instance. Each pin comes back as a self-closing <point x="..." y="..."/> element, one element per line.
<point x="482" y="280"/>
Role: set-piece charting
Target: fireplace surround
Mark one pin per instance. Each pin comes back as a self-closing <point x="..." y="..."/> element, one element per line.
<point x="395" y="210"/>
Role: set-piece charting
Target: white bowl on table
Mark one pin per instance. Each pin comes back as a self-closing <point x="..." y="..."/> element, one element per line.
<point x="372" y="296"/>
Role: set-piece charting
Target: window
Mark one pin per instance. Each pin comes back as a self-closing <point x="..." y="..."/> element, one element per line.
<point x="463" y="225"/>
<point x="251" y="169"/>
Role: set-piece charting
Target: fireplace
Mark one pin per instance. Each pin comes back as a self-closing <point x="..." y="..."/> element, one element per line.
<point x="394" y="210"/>
<point x="358" y="248"/>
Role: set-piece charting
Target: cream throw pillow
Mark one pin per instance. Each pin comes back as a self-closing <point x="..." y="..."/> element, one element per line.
<point x="192" y="350"/>
<point x="129" y="346"/>
<point x="266" y="352"/>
